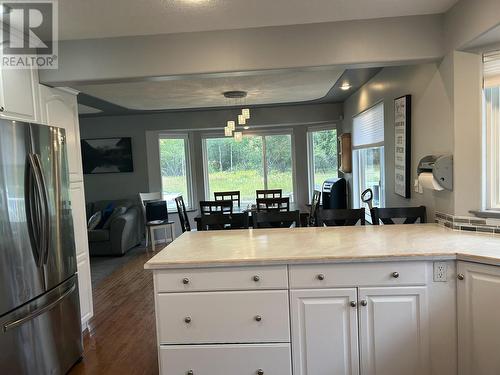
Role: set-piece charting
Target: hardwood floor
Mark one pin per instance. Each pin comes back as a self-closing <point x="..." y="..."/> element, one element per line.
<point x="121" y="338"/>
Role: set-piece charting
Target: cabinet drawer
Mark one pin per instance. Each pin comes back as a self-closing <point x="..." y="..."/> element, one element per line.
<point x="366" y="274"/>
<point x="214" y="279"/>
<point x="223" y="317"/>
<point x="272" y="359"/>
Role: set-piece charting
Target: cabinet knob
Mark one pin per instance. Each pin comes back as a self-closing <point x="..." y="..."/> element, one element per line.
<point x="187" y="319"/>
<point x="395" y="275"/>
<point x="185" y="281"/>
<point x="190" y="372"/>
<point x="260" y="372"/>
<point x="321" y="277"/>
<point x="364" y="302"/>
<point x="256" y="278"/>
<point x="353" y="303"/>
<point x="460" y="276"/>
<point x="2" y="109"/>
<point x="258" y="318"/>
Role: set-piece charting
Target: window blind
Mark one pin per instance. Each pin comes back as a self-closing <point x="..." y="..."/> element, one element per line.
<point x="368" y="128"/>
<point x="491" y="69"/>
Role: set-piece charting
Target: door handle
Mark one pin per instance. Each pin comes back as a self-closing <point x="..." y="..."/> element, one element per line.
<point x="32" y="199"/>
<point x="44" y="209"/>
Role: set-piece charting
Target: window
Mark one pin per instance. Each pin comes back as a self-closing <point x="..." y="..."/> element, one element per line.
<point x="257" y="162"/>
<point x="368" y="155"/>
<point x="492" y="129"/>
<point x="323" y="162"/>
<point x="174" y="162"/>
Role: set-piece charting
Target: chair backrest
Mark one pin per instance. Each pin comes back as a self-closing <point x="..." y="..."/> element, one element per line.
<point x="409" y="214"/>
<point x="273" y="193"/>
<point x="341" y="217"/>
<point x="156" y="210"/>
<point x="273" y="204"/>
<point x="221" y="222"/>
<point x="314" y="208"/>
<point x="234" y="196"/>
<point x="148" y="197"/>
<point x="183" y="217"/>
<point x="276" y="219"/>
<point x="216" y="207"/>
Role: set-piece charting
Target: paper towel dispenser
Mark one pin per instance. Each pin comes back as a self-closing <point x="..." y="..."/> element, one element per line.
<point x="441" y="168"/>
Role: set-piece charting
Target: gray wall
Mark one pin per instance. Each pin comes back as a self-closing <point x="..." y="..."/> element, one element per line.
<point x="141" y="127"/>
<point x="432" y="122"/>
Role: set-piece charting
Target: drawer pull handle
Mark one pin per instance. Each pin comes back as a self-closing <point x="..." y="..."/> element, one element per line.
<point x="256" y="278"/>
<point x="185" y="281"/>
<point x="460" y="276"/>
<point x="395" y="275"/>
<point x="190" y="372"/>
<point x="258" y="318"/>
<point x="187" y="319"/>
<point x="321" y="277"/>
<point x="353" y="304"/>
<point x="2" y="109"/>
<point x="260" y="372"/>
<point x="364" y="302"/>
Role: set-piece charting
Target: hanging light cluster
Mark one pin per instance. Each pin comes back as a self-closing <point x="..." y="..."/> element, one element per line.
<point x="230" y="129"/>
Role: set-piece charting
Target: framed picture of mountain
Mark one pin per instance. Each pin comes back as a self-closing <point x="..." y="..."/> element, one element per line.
<point x="107" y="155"/>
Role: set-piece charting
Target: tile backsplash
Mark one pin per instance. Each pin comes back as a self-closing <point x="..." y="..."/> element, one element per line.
<point x="468" y="223"/>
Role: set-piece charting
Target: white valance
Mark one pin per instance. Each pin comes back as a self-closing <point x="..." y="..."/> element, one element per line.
<point x="368" y="128"/>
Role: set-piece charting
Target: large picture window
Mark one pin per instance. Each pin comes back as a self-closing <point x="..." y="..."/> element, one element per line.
<point x="257" y="162"/>
<point x="323" y="162"/>
<point x="174" y="162"/>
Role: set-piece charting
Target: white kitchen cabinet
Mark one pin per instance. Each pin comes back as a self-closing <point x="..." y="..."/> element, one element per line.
<point x="394" y="337"/>
<point x="85" y="288"/>
<point x="325" y="331"/>
<point x="478" y="290"/>
<point x="60" y="109"/>
<point x="19" y="98"/>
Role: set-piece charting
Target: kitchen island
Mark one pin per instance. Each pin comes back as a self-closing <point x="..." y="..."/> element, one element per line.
<point x="311" y="301"/>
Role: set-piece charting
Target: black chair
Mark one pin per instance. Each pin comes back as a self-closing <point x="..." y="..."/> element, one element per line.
<point x="314" y="208"/>
<point x="276" y="219"/>
<point x="183" y="216"/>
<point x="273" y="204"/>
<point x="221" y="222"/>
<point x="272" y="193"/>
<point x="216" y="207"/>
<point x="341" y="217"/>
<point x="234" y="196"/>
<point x="409" y="214"/>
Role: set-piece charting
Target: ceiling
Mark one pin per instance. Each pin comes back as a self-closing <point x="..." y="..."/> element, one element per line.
<point x="87" y="110"/>
<point x="81" y="19"/>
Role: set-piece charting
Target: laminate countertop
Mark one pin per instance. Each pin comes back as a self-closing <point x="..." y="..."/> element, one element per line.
<point x="326" y="245"/>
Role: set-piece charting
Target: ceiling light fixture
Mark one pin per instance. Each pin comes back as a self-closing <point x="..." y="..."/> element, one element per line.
<point x="242" y="120"/>
<point x="345" y="86"/>
<point x="238" y="136"/>
<point x="228" y="132"/>
<point x="231" y="125"/>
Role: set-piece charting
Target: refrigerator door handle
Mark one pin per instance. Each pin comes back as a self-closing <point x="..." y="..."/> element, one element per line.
<point x="45" y="213"/>
<point x="33" y="196"/>
<point x="16" y="323"/>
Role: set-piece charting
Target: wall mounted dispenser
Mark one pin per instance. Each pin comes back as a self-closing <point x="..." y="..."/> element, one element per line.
<point x="436" y="172"/>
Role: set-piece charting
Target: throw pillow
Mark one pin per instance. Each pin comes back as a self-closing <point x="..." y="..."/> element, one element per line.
<point x="118" y="211"/>
<point x="106" y="213"/>
<point x="94" y="220"/>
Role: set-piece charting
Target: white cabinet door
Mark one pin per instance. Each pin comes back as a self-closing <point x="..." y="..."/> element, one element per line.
<point x="324" y="332"/>
<point x="85" y="288"/>
<point x="60" y="109"/>
<point x="19" y="94"/>
<point x="394" y="337"/>
<point x="478" y="319"/>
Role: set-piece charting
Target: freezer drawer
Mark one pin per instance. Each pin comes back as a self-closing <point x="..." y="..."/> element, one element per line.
<point x="43" y="336"/>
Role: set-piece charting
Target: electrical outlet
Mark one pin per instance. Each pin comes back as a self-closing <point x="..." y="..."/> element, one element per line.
<point x="440" y="271"/>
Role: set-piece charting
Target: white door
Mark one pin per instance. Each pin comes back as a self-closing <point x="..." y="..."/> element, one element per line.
<point x="324" y="331"/>
<point x="19" y="94"/>
<point x="478" y="289"/>
<point x="393" y="335"/>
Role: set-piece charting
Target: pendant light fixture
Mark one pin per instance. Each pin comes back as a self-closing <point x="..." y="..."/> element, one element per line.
<point x="228" y="132"/>
<point x="238" y="136"/>
<point x="231" y="125"/>
<point x="231" y="129"/>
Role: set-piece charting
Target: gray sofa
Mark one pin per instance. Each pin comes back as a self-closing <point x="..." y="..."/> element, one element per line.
<point x="121" y="234"/>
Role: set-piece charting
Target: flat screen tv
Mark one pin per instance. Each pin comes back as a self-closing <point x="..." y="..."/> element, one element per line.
<point x="107" y="155"/>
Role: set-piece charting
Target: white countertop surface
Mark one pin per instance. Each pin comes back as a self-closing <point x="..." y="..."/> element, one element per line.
<point x="326" y="245"/>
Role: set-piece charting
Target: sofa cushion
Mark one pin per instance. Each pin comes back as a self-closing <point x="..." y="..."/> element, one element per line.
<point x="98" y="235"/>
<point x="118" y="211"/>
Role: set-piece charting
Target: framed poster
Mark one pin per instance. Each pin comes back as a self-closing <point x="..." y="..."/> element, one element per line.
<point x="402" y="157"/>
<point x="107" y="155"/>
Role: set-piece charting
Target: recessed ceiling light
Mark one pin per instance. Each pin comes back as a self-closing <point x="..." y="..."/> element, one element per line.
<point x="345" y="86"/>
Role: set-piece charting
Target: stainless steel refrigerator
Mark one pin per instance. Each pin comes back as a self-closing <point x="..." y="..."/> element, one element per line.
<point x="40" y="329"/>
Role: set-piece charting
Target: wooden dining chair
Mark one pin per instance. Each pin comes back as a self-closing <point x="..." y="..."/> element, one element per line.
<point x="234" y="196"/>
<point x="312" y="221"/>
<point x="183" y="216"/>
<point x="341" y="217"/>
<point x="276" y="219"/>
<point x="223" y="222"/>
<point x="273" y="204"/>
<point x="410" y="215"/>
<point x="216" y="207"/>
<point x="273" y="193"/>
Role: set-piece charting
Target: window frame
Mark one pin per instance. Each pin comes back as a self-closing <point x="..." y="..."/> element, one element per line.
<point x="491" y="157"/>
<point x="310" y="153"/>
<point x="187" y="156"/>
<point x="255" y="133"/>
